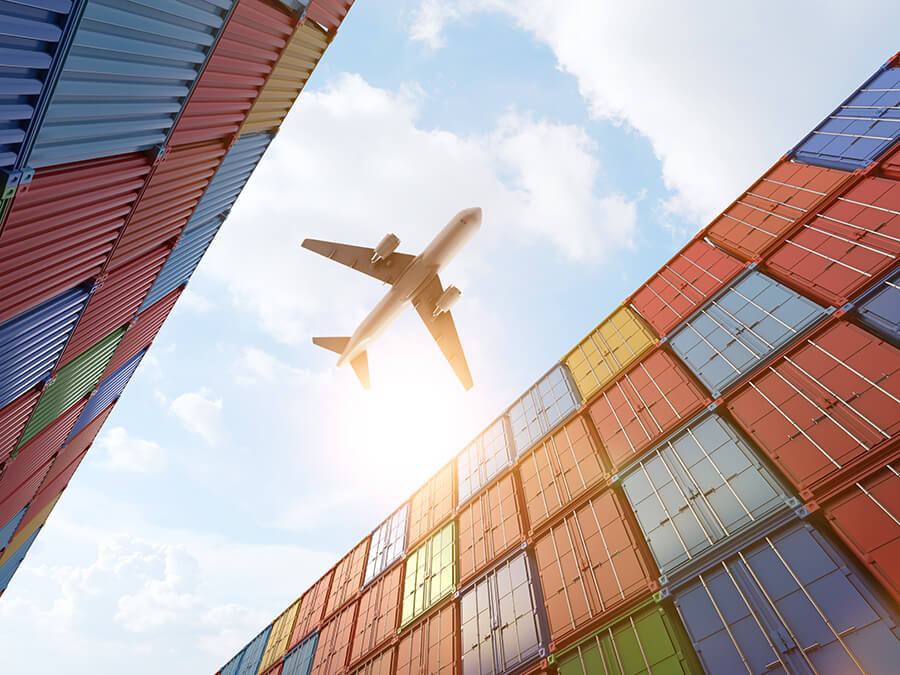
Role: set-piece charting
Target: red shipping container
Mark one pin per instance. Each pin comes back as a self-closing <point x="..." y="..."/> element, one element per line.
<point x="20" y="496"/>
<point x="844" y="247"/>
<point x="143" y="331"/>
<point x="77" y="445"/>
<point x="889" y="165"/>
<point x="652" y="399"/>
<point x="52" y="487"/>
<point x="348" y="577"/>
<point x="379" y="613"/>
<point x="333" y="649"/>
<point x="239" y="66"/>
<point x="60" y="231"/>
<point x="683" y="284"/>
<point x="13" y="418"/>
<point x="115" y="302"/>
<point x="329" y="13"/>
<point x="490" y="525"/>
<point x="758" y="219"/>
<point x="50" y="439"/>
<point x="431" y="646"/>
<point x="823" y="410"/>
<point x="559" y="470"/>
<point x="431" y="505"/>
<point x="312" y="609"/>
<point x="591" y="566"/>
<point x="383" y="664"/>
<point x="168" y="201"/>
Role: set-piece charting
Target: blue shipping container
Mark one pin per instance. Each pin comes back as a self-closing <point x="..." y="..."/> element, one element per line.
<point x="860" y="130"/>
<point x="542" y="407"/>
<point x="33" y="37"/>
<point x="108" y="391"/>
<point x="32" y="342"/>
<point x="209" y="215"/>
<point x="9" y="529"/>
<point x="880" y="308"/>
<point x="10" y="566"/>
<point x="741" y="327"/>
<point x="126" y="78"/>
<point x="253" y="653"/>
<point x="790" y="603"/>
<point x="300" y="660"/>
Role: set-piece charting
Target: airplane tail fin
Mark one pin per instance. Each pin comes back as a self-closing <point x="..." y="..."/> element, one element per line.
<point x="334" y="344"/>
<point x="361" y="368"/>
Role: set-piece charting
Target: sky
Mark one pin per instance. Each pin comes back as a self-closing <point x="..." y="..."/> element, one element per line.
<point x="239" y="465"/>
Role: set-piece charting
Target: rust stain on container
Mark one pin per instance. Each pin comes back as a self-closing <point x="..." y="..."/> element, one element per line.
<point x="431" y="646"/>
<point x="489" y="526"/>
<point x="432" y="504"/>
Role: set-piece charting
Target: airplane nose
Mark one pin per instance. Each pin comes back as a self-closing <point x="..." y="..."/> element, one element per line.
<point x="473" y="215"/>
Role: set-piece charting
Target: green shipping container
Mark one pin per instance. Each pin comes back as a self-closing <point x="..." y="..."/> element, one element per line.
<point x="73" y="381"/>
<point x="431" y="573"/>
<point x="649" y="640"/>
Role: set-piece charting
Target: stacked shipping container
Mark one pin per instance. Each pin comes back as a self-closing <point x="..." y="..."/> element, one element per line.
<point x="707" y="482"/>
<point x="127" y="131"/>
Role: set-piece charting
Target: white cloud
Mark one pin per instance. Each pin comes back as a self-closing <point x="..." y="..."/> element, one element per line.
<point x="200" y="414"/>
<point x="371" y="168"/>
<point x="720" y="94"/>
<point x="191" y="300"/>
<point x="125" y="453"/>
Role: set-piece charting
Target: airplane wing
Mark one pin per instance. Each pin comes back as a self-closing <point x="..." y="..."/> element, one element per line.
<point x="443" y="330"/>
<point x="360" y="258"/>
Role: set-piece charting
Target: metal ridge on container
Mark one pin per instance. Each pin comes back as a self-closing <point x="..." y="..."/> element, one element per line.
<point x="432" y="644"/>
<point x="329" y="14"/>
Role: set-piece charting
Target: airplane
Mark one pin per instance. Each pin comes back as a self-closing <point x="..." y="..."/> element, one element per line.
<point x="412" y="279"/>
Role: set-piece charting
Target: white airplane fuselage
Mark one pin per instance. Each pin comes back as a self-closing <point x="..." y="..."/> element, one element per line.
<point x="449" y="241"/>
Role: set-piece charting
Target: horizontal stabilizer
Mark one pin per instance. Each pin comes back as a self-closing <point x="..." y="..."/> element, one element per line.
<point x="335" y="344"/>
<point x="361" y="368"/>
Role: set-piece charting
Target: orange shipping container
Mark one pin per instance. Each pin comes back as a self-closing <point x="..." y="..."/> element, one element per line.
<point x="490" y="525"/>
<point x="312" y="607"/>
<point x="431" y="505"/>
<point x="379" y="613"/>
<point x="431" y="647"/>
<point x="348" y="577"/>
<point x="333" y="650"/>
<point x="383" y="664"/>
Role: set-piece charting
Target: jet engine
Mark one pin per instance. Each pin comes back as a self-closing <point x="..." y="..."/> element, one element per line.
<point x="385" y="247"/>
<point x="447" y="300"/>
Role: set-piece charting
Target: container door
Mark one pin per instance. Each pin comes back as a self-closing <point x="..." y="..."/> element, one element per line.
<point x="517" y="614"/>
<point x="476" y="629"/>
<point x="881" y="310"/>
<point x="541" y="408"/>
<point x="483" y="459"/>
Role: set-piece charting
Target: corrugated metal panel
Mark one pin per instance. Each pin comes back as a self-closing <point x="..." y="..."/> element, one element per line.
<point x="687" y="281"/>
<point x="333" y="649"/>
<point x="109" y="390"/>
<point x="430" y="647"/>
<point x="13" y="418"/>
<point x="541" y="408"/>
<point x="431" y="573"/>
<point x="73" y="381"/>
<point x="279" y="637"/>
<point x="738" y="330"/>
<point x="501" y="624"/>
<point x="34" y="520"/>
<point x="300" y="660"/>
<point x="860" y="129"/>
<point x="837" y="253"/>
<point x="211" y="212"/>
<point x="59" y="232"/>
<point x="824" y="408"/>
<point x="649" y="640"/>
<point x="387" y="543"/>
<point x="9" y="528"/>
<point x="127" y="75"/>
<point x="790" y="603"/>
<point x="483" y="459"/>
<point x="253" y="653"/>
<point x="274" y="670"/>
<point x="115" y="302"/>
<point x="559" y="471"/>
<point x="231" y="667"/>
<point x="312" y="609"/>
<point x="175" y="187"/>
<point x="867" y="518"/>
<point x="698" y="490"/>
<point x="608" y="350"/>
<point x="889" y="166"/>
<point x="431" y="504"/>
<point x="383" y="664"/>
<point x="880" y="309"/>
<point x="329" y="13"/>
<point x="299" y="59"/>
<point x="652" y="399"/>
<point x="143" y="330"/>
<point x="348" y="577"/>
<point x="379" y="614"/>
<point x="489" y="526"/>
<point x="51" y="488"/>
<point x="243" y="58"/>
<point x="32" y="37"/>
<point x="758" y="219"/>
<point x="15" y="497"/>
<point x="40" y="449"/>
<point x="30" y="343"/>
<point x="76" y="445"/>
<point x="591" y="566"/>
<point x="11" y="566"/>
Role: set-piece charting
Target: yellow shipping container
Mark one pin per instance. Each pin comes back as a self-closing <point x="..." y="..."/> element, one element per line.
<point x="30" y="528"/>
<point x="619" y="339"/>
<point x="431" y="573"/>
<point x="282" y="628"/>
<point x="287" y="80"/>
